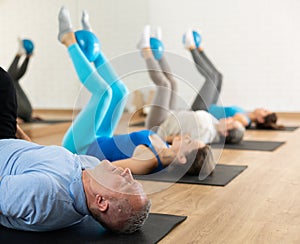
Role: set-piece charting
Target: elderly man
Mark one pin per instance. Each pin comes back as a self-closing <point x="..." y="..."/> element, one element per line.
<point x="44" y="188"/>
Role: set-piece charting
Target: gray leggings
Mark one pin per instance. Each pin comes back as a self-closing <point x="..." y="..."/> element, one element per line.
<point x="210" y="91"/>
<point x="16" y="72"/>
<point x="166" y="88"/>
<point x="165" y="96"/>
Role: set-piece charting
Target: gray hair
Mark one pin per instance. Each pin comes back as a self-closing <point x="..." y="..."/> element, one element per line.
<point x="123" y="218"/>
<point x="235" y="135"/>
<point x="137" y="219"/>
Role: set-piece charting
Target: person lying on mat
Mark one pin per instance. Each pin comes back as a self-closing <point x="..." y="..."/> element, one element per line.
<point x="198" y="124"/>
<point x="208" y="96"/>
<point x="44" y="188"/>
<point x="17" y="71"/>
<point x="91" y="133"/>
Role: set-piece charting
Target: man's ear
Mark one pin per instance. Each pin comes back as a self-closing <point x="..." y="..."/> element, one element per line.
<point x="102" y="203"/>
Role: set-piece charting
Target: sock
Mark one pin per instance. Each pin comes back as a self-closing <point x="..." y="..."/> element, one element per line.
<point x="158" y="33"/>
<point x="85" y="21"/>
<point x="189" y="39"/>
<point x="64" y="22"/>
<point x="21" y="49"/>
<point x="145" y="38"/>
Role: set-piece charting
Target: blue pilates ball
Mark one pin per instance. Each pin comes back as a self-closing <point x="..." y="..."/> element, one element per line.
<point x="197" y="38"/>
<point x="28" y="46"/>
<point x="157" y="48"/>
<point x="88" y="43"/>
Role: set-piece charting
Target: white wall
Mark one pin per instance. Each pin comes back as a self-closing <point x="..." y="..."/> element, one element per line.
<point x="253" y="43"/>
<point x="51" y="81"/>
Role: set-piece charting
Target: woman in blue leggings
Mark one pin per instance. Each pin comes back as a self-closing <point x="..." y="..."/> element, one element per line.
<point x="108" y="93"/>
<point x="91" y="133"/>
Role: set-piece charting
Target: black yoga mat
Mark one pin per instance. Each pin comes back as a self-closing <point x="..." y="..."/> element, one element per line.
<point x="50" y="121"/>
<point x="252" y="145"/>
<point x="221" y="176"/>
<point x="156" y="227"/>
<point x="141" y="123"/>
<point x="286" y="128"/>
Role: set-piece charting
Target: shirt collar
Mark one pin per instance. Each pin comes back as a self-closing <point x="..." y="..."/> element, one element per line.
<point x="78" y="195"/>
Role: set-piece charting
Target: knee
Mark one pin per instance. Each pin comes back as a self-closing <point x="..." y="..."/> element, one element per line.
<point x="105" y="94"/>
<point x="108" y="93"/>
<point x="220" y="77"/>
<point x="119" y="89"/>
<point x="159" y="78"/>
<point x="220" y="81"/>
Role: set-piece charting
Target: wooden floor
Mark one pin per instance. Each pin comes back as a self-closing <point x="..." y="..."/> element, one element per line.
<point x="261" y="205"/>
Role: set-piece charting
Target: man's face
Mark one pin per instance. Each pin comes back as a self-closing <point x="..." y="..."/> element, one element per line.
<point x="116" y="178"/>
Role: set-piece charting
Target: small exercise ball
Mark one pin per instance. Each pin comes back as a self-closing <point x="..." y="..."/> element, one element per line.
<point x="197" y="39"/>
<point x="157" y="48"/>
<point x="88" y="43"/>
<point x="28" y="46"/>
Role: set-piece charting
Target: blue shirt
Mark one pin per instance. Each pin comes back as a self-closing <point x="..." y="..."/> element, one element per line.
<point x="220" y="112"/>
<point x="40" y="186"/>
<point x="122" y="146"/>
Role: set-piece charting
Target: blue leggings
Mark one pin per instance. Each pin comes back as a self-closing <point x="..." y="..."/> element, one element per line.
<point x="104" y="109"/>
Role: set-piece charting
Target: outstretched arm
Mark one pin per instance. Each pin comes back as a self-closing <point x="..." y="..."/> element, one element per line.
<point x="143" y="161"/>
<point x="241" y="118"/>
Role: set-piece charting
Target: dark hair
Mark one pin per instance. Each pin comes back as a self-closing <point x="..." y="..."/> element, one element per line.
<point x="269" y="122"/>
<point x="202" y="156"/>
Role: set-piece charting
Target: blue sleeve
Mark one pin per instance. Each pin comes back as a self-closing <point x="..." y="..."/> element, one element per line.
<point x="36" y="202"/>
<point x="24" y="196"/>
<point x="238" y="110"/>
<point x="217" y="111"/>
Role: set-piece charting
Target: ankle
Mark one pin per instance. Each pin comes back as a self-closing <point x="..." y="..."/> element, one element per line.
<point x="147" y="53"/>
<point x="68" y="39"/>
